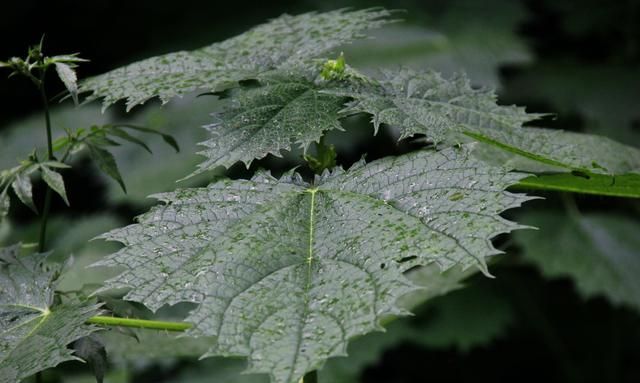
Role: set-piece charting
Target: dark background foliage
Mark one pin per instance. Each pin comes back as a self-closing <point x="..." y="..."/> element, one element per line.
<point x="583" y="64"/>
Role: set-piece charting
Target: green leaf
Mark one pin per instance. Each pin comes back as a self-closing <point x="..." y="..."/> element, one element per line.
<point x="69" y="79"/>
<point x="466" y="318"/>
<point x="107" y="163"/>
<point x="286" y="273"/>
<point x="625" y="185"/>
<point x="55" y="182"/>
<point x="115" y="131"/>
<point x="451" y="111"/>
<point x="91" y="349"/>
<point x="34" y="334"/>
<point x="287" y="109"/>
<point x="22" y="187"/>
<point x="599" y="252"/>
<point x="165" y="137"/>
<point x="543" y="150"/>
<point x="367" y="350"/>
<point x="426" y="103"/>
<point x="281" y="43"/>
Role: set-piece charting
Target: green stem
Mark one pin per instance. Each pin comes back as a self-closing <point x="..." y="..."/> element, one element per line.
<point x="47" y="198"/>
<point x="310" y="377"/>
<point x="139" y="323"/>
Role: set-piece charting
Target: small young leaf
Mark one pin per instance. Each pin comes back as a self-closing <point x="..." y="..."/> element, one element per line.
<point x="623" y="185"/>
<point x="107" y="163"/>
<point x="22" y="187"/>
<point x="115" y="131"/>
<point x="55" y="182"/>
<point x="165" y="137"/>
<point x="69" y="78"/>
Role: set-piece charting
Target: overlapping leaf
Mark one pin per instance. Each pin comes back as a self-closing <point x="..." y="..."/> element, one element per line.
<point x="426" y="103"/>
<point x="599" y="252"/>
<point x="286" y="272"/>
<point x="34" y="334"/>
<point x="287" y="109"/>
<point x="280" y="43"/>
<point x="452" y="111"/>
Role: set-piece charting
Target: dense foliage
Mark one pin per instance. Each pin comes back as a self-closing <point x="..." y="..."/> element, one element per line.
<point x="286" y="267"/>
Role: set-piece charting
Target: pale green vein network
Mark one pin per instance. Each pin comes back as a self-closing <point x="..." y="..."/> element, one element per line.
<point x="285" y="273"/>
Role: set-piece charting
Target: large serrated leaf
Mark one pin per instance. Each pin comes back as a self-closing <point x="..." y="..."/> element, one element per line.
<point x="34" y="334"/>
<point x="282" y="42"/>
<point x="287" y="109"/>
<point x="426" y="103"/>
<point x="452" y="111"/>
<point x="286" y="273"/>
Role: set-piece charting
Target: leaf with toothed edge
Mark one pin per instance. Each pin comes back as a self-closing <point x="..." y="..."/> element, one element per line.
<point x="35" y="333"/>
<point x="285" y="272"/>
<point x="287" y="109"/>
<point x="280" y="43"/>
<point x="423" y="102"/>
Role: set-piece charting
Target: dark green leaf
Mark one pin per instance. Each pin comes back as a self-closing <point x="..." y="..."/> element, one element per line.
<point x="115" y="131"/>
<point x="92" y="350"/>
<point x="107" y="163"/>
<point x="626" y="185"/>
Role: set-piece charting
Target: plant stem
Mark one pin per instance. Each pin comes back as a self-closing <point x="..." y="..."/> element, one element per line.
<point x="310" y="377"/>
<point x="139" y="323"/>
<point x="47" y="197"/>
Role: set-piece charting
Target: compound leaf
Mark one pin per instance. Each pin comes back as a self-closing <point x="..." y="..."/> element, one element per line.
<point x="34" y="333"/>
<point x="287" y="109"/>
<point x="285" y="272"/>
<point x="282" y="42"/>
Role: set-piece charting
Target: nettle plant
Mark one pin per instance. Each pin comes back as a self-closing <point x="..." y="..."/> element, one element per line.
<point x="284" y="271"/>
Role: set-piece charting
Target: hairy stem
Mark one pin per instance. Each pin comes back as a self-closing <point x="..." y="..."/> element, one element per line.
<point x="139" y="323"/>
<point x="47" y="197"/>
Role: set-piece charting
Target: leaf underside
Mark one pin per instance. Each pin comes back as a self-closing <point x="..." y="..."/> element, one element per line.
<point x="286" y="273"/>
<point x="34" y="335"/>
<point x="284" y="42"/>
